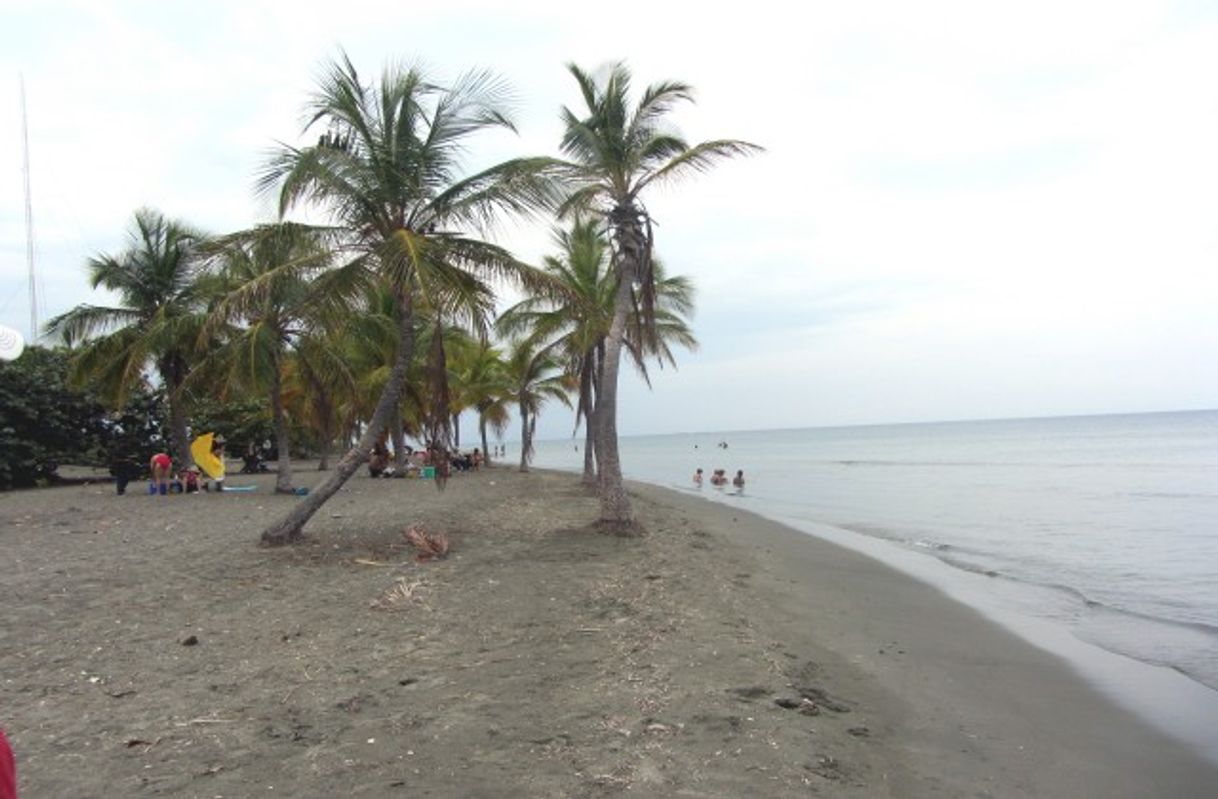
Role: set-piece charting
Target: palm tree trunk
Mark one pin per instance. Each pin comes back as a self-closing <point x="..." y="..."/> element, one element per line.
<point x="486" y="453"/>
<point x="589" y="451"/>
<point x="327" y="440"/>
<point x="524" y="439"/>
<point x="616" y="514"/>
<point x="283" y="479"/>
<point x="289" y="528"/>
<point x="457" y="432"/>
<point x="398" y="438"/>
<point x="179" y="439"/>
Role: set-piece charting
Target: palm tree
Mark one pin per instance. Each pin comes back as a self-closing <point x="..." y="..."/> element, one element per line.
<point x="386" y="169"/>
<point x="157" y="320"/>
<point x="316" y="381"/>
<point x="535" y="377"/>
<point x="614" y="154"/>
<point x="482" y="373"/>
<point x="266" y="274"/>
<point x="577" y="320"/>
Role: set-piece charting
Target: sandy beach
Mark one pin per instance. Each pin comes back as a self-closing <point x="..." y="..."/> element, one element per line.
<point x="150" y="647"/>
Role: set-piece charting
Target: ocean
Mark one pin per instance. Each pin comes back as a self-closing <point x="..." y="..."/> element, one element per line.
<point x="1095" y="537"/>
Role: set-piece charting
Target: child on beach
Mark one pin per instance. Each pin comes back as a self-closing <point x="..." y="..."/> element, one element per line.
<point x="160" y="466"/>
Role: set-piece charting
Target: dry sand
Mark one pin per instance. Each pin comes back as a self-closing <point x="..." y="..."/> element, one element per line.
<point x="149" y="647"/>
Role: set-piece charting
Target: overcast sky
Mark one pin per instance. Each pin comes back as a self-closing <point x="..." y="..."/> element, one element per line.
<point x="966" y="209"/>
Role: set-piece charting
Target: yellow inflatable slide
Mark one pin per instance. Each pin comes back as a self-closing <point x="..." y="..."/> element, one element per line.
<point x="200" y="450"/>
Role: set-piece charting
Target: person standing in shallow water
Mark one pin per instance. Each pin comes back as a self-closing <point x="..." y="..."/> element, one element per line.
<point x="738" y="480"/>
<point x="698" y="478"/>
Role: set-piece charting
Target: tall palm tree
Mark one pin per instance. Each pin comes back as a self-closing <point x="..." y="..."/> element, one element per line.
<point x="157" y="321"/>
<point x="317" y="380"/>
<point x="266" y="274"/>
<point x="577" y="320"/>
<point x="614" y="153"/>
<point x="535" y="376"/>
<point x="482" y="373"/>
<point x="386" y="168"/>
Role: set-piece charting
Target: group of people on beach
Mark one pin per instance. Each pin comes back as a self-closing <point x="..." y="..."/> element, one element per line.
<point x="719" y="478"/>
<point x="380" y="463"/>
<point x="164" y="480"/>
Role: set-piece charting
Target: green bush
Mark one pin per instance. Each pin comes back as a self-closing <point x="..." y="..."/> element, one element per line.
<point x="44" y="422"/>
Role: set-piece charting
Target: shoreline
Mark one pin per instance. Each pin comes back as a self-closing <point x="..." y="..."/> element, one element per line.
<point x="1173" y="702"/>
<point x="1011" y="681"/>
<point x="721" y="655"/>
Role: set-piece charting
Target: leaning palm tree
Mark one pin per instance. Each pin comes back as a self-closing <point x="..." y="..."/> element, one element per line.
<point x="157" y="320"/>
<point x="386" y="168"/>
<point x="535" y="376"/>
<point x="267" y="310"/>
<point x="614" y="153"/>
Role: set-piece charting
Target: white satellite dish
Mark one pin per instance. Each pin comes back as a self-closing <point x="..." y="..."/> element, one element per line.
<point x="11" y="344"/>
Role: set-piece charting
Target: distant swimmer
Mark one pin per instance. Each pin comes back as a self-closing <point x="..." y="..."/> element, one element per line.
<point x="698" y="477"/>
<point x="738" y="480"/>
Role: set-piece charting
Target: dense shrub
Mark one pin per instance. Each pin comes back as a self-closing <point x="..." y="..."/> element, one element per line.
<point x="44" y="422"/>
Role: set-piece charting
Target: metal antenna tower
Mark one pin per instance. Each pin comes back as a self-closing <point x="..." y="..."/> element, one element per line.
<point x="29" y="217"/>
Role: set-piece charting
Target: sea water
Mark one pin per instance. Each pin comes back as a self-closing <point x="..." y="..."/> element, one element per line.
<point x="1101" y="527"/>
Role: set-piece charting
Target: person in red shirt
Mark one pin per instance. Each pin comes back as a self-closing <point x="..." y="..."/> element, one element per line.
<point x="160" y="465"/>
<point x="8" y="770"/>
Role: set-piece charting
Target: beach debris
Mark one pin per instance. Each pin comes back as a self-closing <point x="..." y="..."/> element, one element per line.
<point x="654" y="727"/>
<point x="190" y="640"/>
<point x="803" y="704"/>
<point x="366" y="562"/>
<point x="131" y="743"/>
<point x="859" y="732"/>
<point x="402" y="592"/>
<point x="427" y="546"/>
<point x="749" y="693"/>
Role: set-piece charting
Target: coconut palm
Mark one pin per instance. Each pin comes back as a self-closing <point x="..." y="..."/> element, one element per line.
<point x="481" y="372"/>
<point x="386" y="168"/>
<point x="534" y="377"/>
<point x="157" y="321"/>
<point x="614" y="153"/>
<point x="266" y="277"/>
<point x="317" y="379"/>
<point x="578" y="319"/>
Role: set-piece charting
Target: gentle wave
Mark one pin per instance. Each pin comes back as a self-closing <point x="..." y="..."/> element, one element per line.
<point x="953" y="555"/>
<point x="1111" y="523"/>
<point x="1019" y="465"/>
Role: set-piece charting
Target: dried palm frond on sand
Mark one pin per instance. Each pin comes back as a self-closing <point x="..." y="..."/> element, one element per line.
<point x="401" y="592"/>
<point x="428" y="546"/>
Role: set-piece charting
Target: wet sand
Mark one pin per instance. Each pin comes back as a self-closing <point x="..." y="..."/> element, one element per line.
<point x="149" y="647"/>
